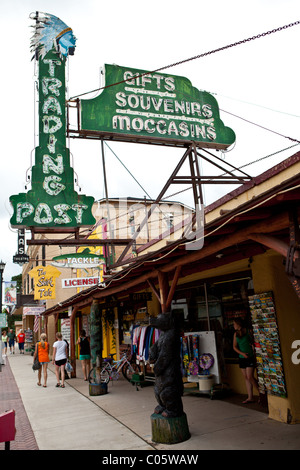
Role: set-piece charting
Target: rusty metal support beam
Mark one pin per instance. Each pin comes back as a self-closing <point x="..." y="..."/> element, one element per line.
<point x="79" y="241"/>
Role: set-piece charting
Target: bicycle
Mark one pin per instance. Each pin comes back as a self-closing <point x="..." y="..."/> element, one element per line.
<point x="111" y="369"/>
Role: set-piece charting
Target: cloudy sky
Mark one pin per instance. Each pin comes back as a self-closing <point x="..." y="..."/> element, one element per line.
<point x="257" y="81"/>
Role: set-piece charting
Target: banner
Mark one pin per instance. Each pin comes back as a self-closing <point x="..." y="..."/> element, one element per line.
<point x="10" y="293"/>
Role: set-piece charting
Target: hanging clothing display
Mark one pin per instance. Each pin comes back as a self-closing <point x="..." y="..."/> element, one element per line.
<point x="142" y="338"/>
<point x="190" y="355"/>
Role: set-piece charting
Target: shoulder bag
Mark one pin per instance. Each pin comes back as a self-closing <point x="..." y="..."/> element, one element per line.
<point x="36" y="363"/>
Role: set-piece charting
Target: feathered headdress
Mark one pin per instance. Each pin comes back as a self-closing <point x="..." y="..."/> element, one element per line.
<point x="48" y="32"/>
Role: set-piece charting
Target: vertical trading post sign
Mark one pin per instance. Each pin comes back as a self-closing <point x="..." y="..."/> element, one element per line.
<point x="52" y="201"/>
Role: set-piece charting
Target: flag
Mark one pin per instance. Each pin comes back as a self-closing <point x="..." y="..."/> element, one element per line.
<point x="36" y="323"/>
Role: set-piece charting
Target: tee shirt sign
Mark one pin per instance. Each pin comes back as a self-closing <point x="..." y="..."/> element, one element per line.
<point x="156" y="106"/>
<point x="44" y="282"/>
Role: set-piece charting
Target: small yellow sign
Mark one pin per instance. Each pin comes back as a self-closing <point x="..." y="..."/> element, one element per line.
<point x="44" y="281"/>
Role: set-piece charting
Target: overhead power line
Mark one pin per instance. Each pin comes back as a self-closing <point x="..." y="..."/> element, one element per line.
<point x="262" y="127"/>
<point x="204" y="54"/>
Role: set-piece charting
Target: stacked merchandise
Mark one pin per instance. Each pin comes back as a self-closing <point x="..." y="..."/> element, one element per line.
<point x="194" y="363"/>
<point x="190" y="355"/>
<point x="142" y="338"/>
<point x="267" y="346"/>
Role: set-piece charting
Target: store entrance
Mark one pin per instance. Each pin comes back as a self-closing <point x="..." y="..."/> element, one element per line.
<point x="212" y="306"/>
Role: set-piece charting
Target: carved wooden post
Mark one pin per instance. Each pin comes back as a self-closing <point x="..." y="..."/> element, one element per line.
<point x="169" y="422"/>
<point x="96" y="333"/>
<point x="72" y="341"/>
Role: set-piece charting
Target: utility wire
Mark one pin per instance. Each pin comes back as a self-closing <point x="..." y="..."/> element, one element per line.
<point x="204" y="54"/>
<point x="262" y="127"/>
<point x="128" y="170"/>
<point x="255" y="104"/>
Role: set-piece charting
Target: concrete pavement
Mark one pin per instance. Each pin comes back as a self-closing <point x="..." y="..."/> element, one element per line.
<point x="70" y="419"/>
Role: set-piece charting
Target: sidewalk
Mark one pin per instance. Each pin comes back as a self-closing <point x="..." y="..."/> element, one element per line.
<point x="69" y="418"/>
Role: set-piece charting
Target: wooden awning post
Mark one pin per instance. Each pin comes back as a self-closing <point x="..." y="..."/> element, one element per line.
<point x="56" y="322"/>
<point x="46" y="324"/>
<point x="163" y="289"/>
<point x="166" y="292"/>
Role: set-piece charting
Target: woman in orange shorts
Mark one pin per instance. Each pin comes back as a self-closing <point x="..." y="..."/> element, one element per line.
<point x="42" y="350"/>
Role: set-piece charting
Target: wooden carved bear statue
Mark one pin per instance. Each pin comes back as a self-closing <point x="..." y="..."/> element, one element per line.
<point x="165" y="354"/>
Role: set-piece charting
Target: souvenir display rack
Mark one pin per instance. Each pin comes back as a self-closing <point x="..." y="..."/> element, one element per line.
<point x="195" y="345"/>
<point x="267" y="346"/>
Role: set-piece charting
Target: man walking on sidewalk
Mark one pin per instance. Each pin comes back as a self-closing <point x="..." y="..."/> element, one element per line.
<point x="21" y="341"/>
<point x="11" y="341"/>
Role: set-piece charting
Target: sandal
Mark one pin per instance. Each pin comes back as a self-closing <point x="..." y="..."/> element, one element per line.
<point x="39" y="384"/>
<point x="45" y="386"/>
<point x="62" y="386"/>
<point x="57" y="385"/>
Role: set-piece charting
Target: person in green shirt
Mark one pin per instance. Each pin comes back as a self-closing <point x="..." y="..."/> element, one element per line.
<point x="242" y="344"/>
<point x="11" y="341"/>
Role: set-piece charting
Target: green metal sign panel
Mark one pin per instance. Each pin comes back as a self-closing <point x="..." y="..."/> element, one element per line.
<point x="155" y="106"/>
<point x="52" y="200"/>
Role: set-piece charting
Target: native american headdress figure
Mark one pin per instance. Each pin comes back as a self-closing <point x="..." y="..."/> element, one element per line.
<point x="49" y="32"/>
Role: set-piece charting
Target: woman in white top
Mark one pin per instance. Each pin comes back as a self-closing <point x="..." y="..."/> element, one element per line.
<point x="60" y="355"/>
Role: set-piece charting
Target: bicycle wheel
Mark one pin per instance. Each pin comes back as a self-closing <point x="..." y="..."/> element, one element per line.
<point x="97" y="377"/>
<point x="129" y="369"/>
<point x="104" y="376"/>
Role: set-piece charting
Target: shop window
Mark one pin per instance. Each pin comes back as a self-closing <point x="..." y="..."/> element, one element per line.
<point x="212" y="306"/>
<point x="169" y="220"/>
<point x="233" y="294"/>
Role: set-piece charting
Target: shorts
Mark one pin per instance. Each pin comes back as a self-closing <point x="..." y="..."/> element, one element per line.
<point x="245" y="362"/>
<point x="84" y="356"/>
<point x="21" y="346"/>
<point x="11" y="342"/>
<point x="61" y="362"/>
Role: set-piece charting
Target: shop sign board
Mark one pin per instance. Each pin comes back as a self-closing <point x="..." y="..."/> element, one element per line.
<point x="85" y="259"/>
<point x="65" y="326"/>
<point x="139" y="296"/>
<point x="81" y="282"/>
<point x="155" y="106"/>
<point x="33" y="311"/>
<point x="20" y="257"/>
<point x="52" y="200"/>
<point x="44" y="282"/>
<point x="3" y="320"/>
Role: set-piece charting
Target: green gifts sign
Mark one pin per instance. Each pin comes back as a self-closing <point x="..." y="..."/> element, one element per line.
<point x="52" y="201"/>
<point x="155" y="106"/>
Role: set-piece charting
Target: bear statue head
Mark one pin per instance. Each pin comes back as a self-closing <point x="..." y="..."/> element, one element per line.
<point x="163" y="322"/>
